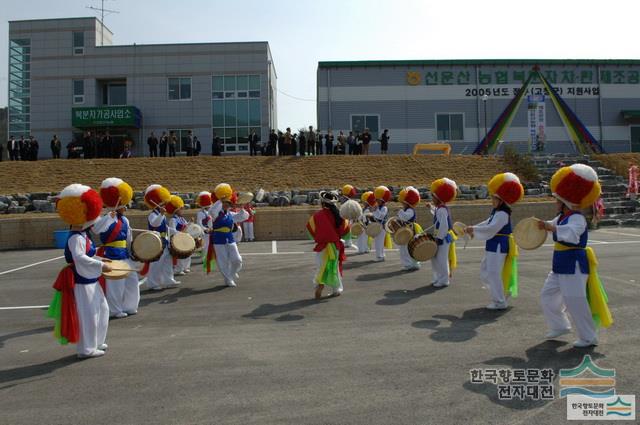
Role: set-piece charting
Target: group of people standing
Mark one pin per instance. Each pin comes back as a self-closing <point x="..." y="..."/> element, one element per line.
<point x="21" y="149"/>
<point x="84" y="300"/>
<point x="314" y="142"/>
<point x="168" y="143"/>
<point x="572" y="293"/>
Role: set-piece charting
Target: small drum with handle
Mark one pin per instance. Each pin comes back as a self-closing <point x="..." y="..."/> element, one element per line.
<point x="528" y="235"/>
<point x="374" y="229"/>
<point x="422" y="247"/>
<point x="197" y="233"/>
<point x="393" y="224"/>
<point x="182" y="245"/>
<point x="357" y="229"/>
<point x="119" y="270"/>
<point x="147" y="246"/>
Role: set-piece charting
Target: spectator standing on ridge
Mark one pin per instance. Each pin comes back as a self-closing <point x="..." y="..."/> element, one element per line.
<point x="280" y="143"/>
<point x="24" y="148"/>
<point x="189" y="147"/>
<point x="173" y="141"/>
<point x="216" y="145"/>
<point x="287" y="142"/>
<point x="34" y="147"/>
<point x="311" y="141"/>
<point x="152" y="141"/>
<point x="319" y="137"/>
<point x="197" y="146"/>
<point x="273" y="142"/>
<point x="56" y="147"/>
<point x="302" y="142"/>
<point x="341" y="148"/>
<point x="366" y="139"/>
<point x="164" y="142"/>
<point x="13" y="149"/>
<point x="384" y="141"/>
<point x="351" y="141"/>
<point x="328" y="142"/>
<point x="253" y="143"/>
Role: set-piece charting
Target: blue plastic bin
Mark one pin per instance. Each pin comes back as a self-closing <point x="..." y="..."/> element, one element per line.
<point x="61" y="237"/>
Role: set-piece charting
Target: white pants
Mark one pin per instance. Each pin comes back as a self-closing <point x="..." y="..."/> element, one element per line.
<point x="123" y="295"/>
<point x="161" y="271"/>
<point x="248" y="230"/>
<point x="378" y="243"/>
<point x="228" y="260"/>
<point x="183" y="264"/>
<point x="337" y="290"/>
<point x="405" y="259"/>
<point x="237" y="235"/>
<point x="93" y="315"/>
<point x="491" y="274"/>
<point x="363" y="243"/>
<point x="567" y="292"/>
<point x="440" y="264"/>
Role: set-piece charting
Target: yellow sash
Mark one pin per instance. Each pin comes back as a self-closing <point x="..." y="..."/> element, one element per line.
<point x="116" y="244"/>
<point x="596" y="295"/>
<point x="453" y="259"/>
<point x="223" y="230"/>
<point x="510" y="268"/>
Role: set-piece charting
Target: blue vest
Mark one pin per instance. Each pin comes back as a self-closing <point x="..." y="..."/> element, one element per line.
<point x="161" y="229"/>
<point x="111" y="252"/>
<point x="69" y="258"/>
<point x="181" y="223"/>
<point x="564" y="262"/>
<point x="224" y="219"/>
<point x="412" y="219"/>
<point x="447" y="238"/>
<point x="498" y="240"/>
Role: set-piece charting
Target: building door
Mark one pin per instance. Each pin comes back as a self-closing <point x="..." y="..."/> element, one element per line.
<point x="635" y="138"/>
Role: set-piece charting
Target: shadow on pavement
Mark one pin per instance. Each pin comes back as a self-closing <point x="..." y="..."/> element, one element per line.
<point x="32" y="371"/>
<point x="170" y="298"/>
<point x="460" y="329"/>
<point x="355" y="265"/>
<point x="380" y="276"/>
<point x="272" y="309"/>
<point x="545" y="355"/>
<point x="20" y="334"/>
<point x="403" y="296"/>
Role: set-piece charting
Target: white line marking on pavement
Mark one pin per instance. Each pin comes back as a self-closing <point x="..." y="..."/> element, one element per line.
<point x="31" y="265"/>
<point x="618" y="233"/>
<point x="274" y="247"/>
<point x="26" y="307"/>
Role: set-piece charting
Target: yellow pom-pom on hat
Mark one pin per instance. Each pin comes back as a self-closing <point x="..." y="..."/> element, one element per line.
<point x="174" y="204"/>
<point x="369" y="198"/>
<point x="79" y="205"/>
<point x="410" y="196"/>
<point x="203" y="199"/>
<point x="382" y="193"/>
<point x="507" y="187"/>
<point x="444" y="189"/>
<point x="577" y="186"/>
<point x="156" y="195"/>
<point x="115" y="192"/>
<point x="349" y="191"/>
<point x="223" y="191"/>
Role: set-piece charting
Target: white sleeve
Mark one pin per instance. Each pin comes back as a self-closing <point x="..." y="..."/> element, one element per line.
<point x="406" y="215"/>
<point x="215" y="209"/>
<point x="87" y="267"/>
<point x="102" y="224"/>
<point x="171" y="225"/>
<point x="485" y="231"/>
<point x="380" y="214"/>
<point x="443" y="226"/>
<point x="155" y="219"/>
<point x="571" y="231"/>
<point x="240" y="216"/>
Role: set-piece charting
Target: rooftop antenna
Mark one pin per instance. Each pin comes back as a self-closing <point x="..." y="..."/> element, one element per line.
<point x="102" y="11"/>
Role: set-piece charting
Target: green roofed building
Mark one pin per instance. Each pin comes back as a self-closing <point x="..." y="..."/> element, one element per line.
<point x="67" y="78"/>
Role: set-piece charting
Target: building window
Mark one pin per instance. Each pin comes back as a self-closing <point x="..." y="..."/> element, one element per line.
<point x="360" y="122"/>
<point x="450" y="126"/>
<point x="236" y="110"/>
<point x="78" y="91"/>
<point x="78" y="43"/>
<point x="182" y="135"/>
<point x="179" y="88"/>
<point x="19" y="87"/>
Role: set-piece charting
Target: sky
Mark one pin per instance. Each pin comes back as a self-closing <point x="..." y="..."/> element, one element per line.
<point x="303" y="32"/>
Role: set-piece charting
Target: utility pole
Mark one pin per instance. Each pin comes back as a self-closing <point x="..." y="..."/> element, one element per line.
<point x="102" y="11"/>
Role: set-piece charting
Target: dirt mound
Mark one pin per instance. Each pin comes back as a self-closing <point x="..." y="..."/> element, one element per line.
<point x="249" y="173"/>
